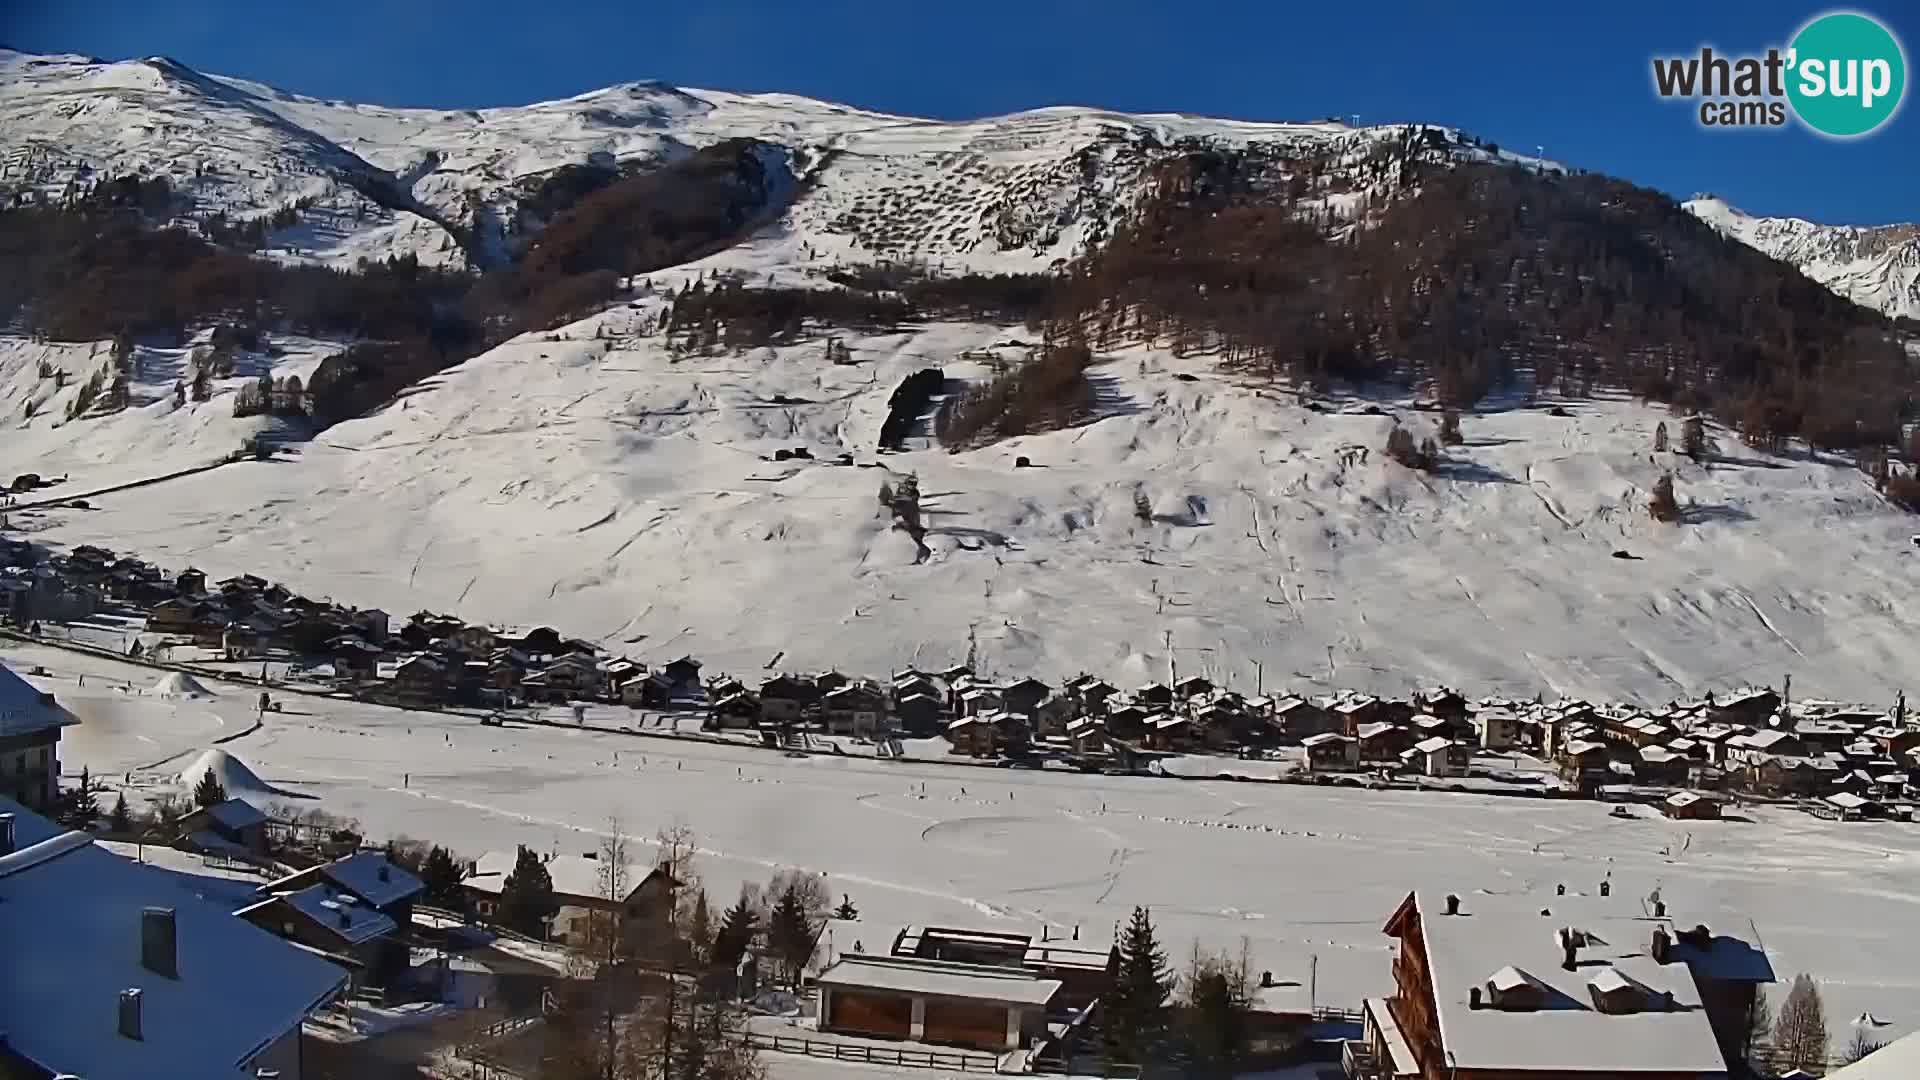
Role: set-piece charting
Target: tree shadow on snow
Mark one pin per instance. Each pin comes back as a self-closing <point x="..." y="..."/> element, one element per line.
<point x="1700" y="515"/>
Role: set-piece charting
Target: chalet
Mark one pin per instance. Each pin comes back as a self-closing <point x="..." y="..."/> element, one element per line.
<point x="1754" y="747"/>
<point x="683" y="674"/>
<point x="190" y="583"/>
<point x="1154" y="695"/>
<point x="920" y="715"/>
<point x="1748" y="707"/>
<point x="1430" y="757"/>
<point x="1690" y="806"/>
<point x="333" y="922"/>
<point x="1169" y="731"/>
<point x="1847" y="806"/>
<point x="1127" y="722"/>
<point x="574" y="676"/>
<point x="119" y="973"/>
<point x="1381" y="741"/>
<point x="1894" y="742"/>
<point x="1091" y="694"/>
<point x="1299" y="718"/>
<point x="829" y="681"/>
<point x="30" y="725"/>
<point x="1083" y="967"/>
<point x="1444" y="702"/>
<point x="977" y="699"/>
<point x="377" y="624"/>
<point x="1786" y="776"/>
<point x="1354" y="711"/>
<point x="855" y="709"/>
<point x="649" y="690"/>
<point x="1331" y="751"/>
<point x="736" y="710"/>
<point x="785" y="698"/>
<point x="720" y="687"/>
<point x="176" y="616"/>
<point x="354" y="890"/>
<point x="234" y="827"/>
<point x="1087" y="734"/>
<point x="1661" y="765"/>
<point x="1825" y="736"/>
<point x="581" y="888"/>
<point x="1025" y="696"/>
<point x="1192" y="686"/>
<point x="1505" y="988"/>
<point x="980" y="1006"/>
<point x="418" y="679"/>
<point x="910" y="683"/>
<point x="1584" y="764"/>
<point x="352" y="657"/>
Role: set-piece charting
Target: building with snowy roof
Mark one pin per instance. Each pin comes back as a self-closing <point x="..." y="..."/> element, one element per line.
<point x="120" y="971"/>
<point x="30" y="725"/>
<point x="1494" y="987"/>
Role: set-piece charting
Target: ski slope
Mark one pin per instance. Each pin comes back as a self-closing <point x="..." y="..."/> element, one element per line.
<point x="593" y="480"/>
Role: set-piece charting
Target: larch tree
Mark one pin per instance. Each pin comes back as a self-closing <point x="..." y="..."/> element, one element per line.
<point x="1800" y="1039"/>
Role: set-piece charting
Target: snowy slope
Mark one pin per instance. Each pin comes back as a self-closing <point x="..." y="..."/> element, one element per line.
<point x="603" y="485"/>
<point x="1875" y="267"/>
<point x="1009" y="193"/>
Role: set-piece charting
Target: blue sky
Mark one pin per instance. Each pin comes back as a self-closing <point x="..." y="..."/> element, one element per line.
<point x="1572" y="78"/>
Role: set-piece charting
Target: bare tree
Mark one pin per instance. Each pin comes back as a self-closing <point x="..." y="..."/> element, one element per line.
<point x="1862" y="1045"/>
<point x="1800" y="1038"/>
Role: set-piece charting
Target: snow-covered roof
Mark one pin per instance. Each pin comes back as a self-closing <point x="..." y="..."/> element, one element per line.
<point x="1565" y="1032"/>
<point x="1684" y="798"/>
<point x="1847" y="800"/>
<point x="236" y="814"/>
<point x="906" y="975"/>
<point x="1375" y="730"/>
<point x="72" y="938"/>
<point x="1434" y="745"/>
<point x="336" y="911"/>
<point x="1324" y="738"/>
<point x="572" y="875"/>
<point x="25" y="710"/>
<point x="368" y="875"/>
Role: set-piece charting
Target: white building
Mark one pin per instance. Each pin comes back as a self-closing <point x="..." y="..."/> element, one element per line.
<point x="30" y="724"/>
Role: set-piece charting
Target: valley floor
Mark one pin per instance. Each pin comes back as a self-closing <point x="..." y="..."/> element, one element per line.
<point x="1306" y="876"/>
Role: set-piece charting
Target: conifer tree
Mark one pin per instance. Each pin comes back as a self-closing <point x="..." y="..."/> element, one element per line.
<point x="1135" y="1014"/>
<point x="790" y="933"/>
<point x="737" y="928"/>
<point x="209" y="792"/>
<point x="441" y="875"/>
<point x="120" y="819"/>
<point x="846" y="912"/>
<point x="526" y="896"/>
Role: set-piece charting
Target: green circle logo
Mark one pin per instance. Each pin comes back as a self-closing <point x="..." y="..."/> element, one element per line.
<point x="1847" y="74"/>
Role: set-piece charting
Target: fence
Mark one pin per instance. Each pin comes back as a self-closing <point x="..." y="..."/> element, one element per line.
<point x="874" y="1055"/>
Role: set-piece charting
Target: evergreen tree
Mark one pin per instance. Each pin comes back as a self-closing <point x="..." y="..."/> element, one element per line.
<point x="441" y="875"/>
<point x="1135" y="1017"/>
<point x="209" y="792"/>
<point x="700" y="930"/>
<point x="79" y="807"/>
<point x="1693" y="437"/>
<point x="846" y="912"/>
<point x="1660" y="437"/>
<point x="1800" y="1037"/>
<point x="1215" y="1020"/>
<point x="790" y="934"/>
<point x="1862" y="1045"/>
<point x="1450" y="428"/>
<point x="737" y="928"/>
<point x="120" y="819"/>
<point x="526" y="896"/>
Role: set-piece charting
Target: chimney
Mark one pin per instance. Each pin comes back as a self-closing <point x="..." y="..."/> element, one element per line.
<point x="1043" y="932"/>
<point x="1473" y="997"/>
<point x="1570" y="951"/>
<point x="6" y="834"/>
<point x="1662" y="945"/>
<point x="1659" y="909"/>
<point x="1453" y="904"/>
<point x="159" y="942"/>
<point x="1076" y="931"/>
<point x="1606" y="888"/>
<point x="386" y="872"/>
<point x="1266" y="980"/>
<point x="1560" y="890"/>
<point x="130" y="1014"/>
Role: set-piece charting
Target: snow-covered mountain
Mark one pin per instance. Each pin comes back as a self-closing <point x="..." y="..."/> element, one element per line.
<point x="1877" y="267"/>
<point x="1007" y="193"/>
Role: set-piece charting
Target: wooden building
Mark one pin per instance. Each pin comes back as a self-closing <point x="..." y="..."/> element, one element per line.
<point x="977" y="1006"/>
